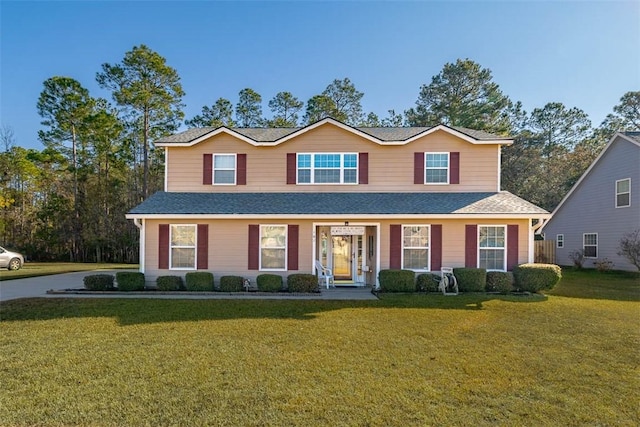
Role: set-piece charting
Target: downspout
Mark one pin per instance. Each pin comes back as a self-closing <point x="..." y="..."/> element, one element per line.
<point x="532" y="238"/>
<point x="140" y="224"/>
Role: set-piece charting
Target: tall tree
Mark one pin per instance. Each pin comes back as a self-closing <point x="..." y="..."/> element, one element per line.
<point x="556" y="126"/>
<point x="462" y="94"/>
<point x="219" y="114"/>
<point x="320" y="107"/>
<point x="340" y="100"/>
<point x="285" y="108"/>
<point x="249" y="109"/>
<point x="150" y="92"/>
<point x="625" y="117"/>
<point x="65" y="106"/>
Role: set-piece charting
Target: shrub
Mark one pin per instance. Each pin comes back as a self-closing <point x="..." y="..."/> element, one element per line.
<point x="397" y="281"/>
<point x="630" y="247"/>
<point x="231" y="283"/>
<point x="427" y="282"/>
<point x="471" y="279"/>
<point x="169" y="283"/>
<point x="536" y="277"/>
<point x="499" y="281"/>
<point x="269" y="283"/>
<point x="199" y="281"/>
<point x="577" y="257"/>
<point x="99" y="282"/>
<point x="302" y="283"/>
<point x="130" y="281"/>
<point x="603" y="265"/>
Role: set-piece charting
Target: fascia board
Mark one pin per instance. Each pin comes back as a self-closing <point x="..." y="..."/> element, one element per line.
<point x="340" y="216"/>
<point x="340" y="125"/>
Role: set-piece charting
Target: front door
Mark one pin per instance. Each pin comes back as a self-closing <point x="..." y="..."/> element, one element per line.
<point x="342" y="257"/>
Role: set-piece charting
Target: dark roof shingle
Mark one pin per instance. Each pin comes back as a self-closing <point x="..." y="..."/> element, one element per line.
<point x="163" y="203"/>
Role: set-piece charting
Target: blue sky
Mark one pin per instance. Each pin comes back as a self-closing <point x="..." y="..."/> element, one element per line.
<point x="583" y="54"/>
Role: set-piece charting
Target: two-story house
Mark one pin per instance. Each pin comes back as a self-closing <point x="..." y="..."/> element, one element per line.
<point x="248" y="201"/>
<point x="601" y="208"/>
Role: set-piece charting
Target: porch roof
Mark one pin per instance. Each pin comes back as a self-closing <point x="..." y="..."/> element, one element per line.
<point x="295" y="204"/>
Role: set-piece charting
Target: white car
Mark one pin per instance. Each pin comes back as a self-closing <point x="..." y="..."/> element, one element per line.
<point x="10" y="260"/>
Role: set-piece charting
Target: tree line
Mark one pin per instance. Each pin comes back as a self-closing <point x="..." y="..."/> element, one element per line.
<point x="68" y="201"/>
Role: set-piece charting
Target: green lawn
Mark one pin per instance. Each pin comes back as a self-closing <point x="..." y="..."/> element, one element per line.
<point x="571" y="358"/>
<point x="33" y="269"/>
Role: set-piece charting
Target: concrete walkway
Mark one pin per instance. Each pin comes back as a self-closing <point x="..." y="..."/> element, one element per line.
<point x="38" y="286"/>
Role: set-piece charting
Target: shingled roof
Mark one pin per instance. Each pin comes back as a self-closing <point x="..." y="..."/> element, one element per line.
<point x="273" y="135"/>
<point x="245" y="204"/>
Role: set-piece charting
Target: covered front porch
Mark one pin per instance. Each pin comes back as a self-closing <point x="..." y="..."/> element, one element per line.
<point x="349" y="250"/>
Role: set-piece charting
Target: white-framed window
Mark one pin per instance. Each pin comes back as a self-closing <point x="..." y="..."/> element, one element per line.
<point x="224" y="169"/>
<point x="273" y="247"/>
<point x="590" y="245"/>
<point x="560" y="241"/>
<point x="327" y="168"/>
<point x="182" y="246"/>
<point x="492" y="249"/>
<point x="436" y="168"/>
<point x="415" y="247"/>
<point x="623" y="193"/>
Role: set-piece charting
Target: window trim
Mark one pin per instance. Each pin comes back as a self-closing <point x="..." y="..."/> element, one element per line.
<point x="504" y="248"/>
<point x="584" y="245"/>
<point x="559" y="241"/>
<point x="213" y="169"/>
<point x="448" y="168"/>
<point x="428" y="247"/>
<point x="195" y="247"/>
<point x="622" y="193"/>
<point x="342" y="168"/>
<point x="286" y="247"/>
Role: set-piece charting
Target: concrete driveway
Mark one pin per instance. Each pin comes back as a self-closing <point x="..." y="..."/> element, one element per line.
<point x="38" y="286"/>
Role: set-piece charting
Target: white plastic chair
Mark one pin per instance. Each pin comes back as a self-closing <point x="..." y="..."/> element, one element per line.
<point x="324" y="272"/>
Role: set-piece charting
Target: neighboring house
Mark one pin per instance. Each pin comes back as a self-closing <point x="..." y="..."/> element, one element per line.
<point x="601" y="207"/>
<point x="251" y="201"/>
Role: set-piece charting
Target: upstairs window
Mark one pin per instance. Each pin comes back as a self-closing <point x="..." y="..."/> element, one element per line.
<point x="327" y="168"/>
<point x="590" y="245"/>
<point x="436" y="168"/>
<point x="623" y="193"/>
<point x="560" y="241"/>
<point x="224" y="169"/>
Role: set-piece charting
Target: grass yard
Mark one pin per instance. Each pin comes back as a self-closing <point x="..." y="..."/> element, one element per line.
<point x="571" y="358"/>
<point x="34" y="269"/>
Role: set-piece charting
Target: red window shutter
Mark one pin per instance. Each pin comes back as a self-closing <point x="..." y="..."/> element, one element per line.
<point x="292" y="247"/>
<point x="512" y="246"/>
<point x="207" y="169"/>
<point x="291" y="168"/>
<point x="163" y="246"/>
<point x="254" y="247"/>
<point x="418" y="168"/>
<point x="454" y="168"/>
<point x="471" y="246"/>
<point x="436" y="247"/>
<point x="203" y="247"/>
<point x="241" y="169"/>
<point x="395" y="246"/>
<point x="363" y="168"/>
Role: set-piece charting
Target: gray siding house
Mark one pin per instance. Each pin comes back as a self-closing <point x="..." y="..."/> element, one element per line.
<point x="601" y="207"/>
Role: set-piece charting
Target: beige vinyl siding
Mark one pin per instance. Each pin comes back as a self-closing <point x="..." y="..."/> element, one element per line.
<point x="390" y="167"/>
<point x="228" y="240"/>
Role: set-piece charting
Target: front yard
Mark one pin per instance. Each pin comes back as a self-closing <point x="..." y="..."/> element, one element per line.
<point x="571" y="358"/>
